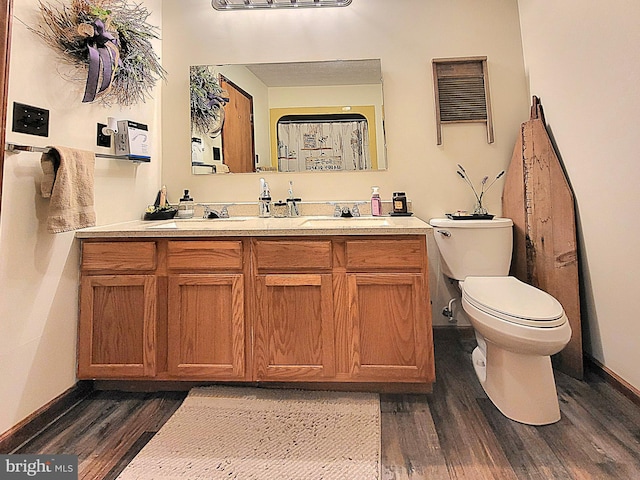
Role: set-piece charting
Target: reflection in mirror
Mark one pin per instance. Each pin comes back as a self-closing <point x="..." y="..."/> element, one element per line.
<point x="323" y="141"/>
<point x="293" y="117"/>
<point x="207" y="116"/>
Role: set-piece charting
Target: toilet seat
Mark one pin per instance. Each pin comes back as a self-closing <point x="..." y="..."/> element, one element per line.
<point x="511" y="300"/>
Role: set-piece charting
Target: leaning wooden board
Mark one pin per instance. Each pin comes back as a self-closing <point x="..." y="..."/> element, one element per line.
<point x="538" y="198"/>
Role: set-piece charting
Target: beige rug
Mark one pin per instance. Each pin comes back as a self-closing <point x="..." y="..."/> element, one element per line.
<point x="252" y="433"/>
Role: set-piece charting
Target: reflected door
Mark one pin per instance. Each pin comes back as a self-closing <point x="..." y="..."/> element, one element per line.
<point x="237" y="133"/>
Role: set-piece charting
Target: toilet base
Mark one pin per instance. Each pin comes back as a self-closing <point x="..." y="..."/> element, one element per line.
<point x="521" y="386"/>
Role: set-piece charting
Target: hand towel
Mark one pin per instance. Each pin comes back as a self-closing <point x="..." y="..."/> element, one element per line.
<point x="68" y="181"/>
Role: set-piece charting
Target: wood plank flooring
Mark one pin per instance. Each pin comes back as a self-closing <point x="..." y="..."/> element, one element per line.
<point x="453" y="433"/>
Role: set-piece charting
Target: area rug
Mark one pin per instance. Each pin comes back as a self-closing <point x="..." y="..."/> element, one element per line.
<point x="265" y="434"/>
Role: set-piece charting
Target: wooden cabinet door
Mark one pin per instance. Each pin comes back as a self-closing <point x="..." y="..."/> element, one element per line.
<point x="117" y="336"/>
<point x="294" y="332"/>
<point x="388" y="313"/>
<point x="206" y="326"/>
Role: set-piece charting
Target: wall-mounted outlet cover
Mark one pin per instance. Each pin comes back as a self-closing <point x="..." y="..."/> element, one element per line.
<point x="30" y="120"/>
<point x="103" y="140"/>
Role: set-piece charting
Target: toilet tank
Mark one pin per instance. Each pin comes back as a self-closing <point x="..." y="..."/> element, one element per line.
<point x="480" y="248"/>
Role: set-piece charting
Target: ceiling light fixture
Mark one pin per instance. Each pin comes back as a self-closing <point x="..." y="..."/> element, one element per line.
<point x="253" y="4"/>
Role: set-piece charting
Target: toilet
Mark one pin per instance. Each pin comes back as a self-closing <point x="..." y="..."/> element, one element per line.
<point x="518" y="327"/>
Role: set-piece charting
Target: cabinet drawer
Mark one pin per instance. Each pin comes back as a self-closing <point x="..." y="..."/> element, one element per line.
<point x="292" y="254"/>
<point x="204" y="255"/>
<point x="119" y="256"/>
<point x="386" y="253"/>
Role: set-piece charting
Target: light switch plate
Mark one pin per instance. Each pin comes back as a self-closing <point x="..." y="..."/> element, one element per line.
<point x="30" y="120"/>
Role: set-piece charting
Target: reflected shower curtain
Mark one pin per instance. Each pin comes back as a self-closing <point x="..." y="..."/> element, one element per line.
<point x="342" y="145"/>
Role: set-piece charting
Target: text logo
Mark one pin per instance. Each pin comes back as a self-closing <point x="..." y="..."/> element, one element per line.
<point x="50" y="467"/>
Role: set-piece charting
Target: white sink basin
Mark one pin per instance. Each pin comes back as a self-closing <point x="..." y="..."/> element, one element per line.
<point x="337" y="222"/>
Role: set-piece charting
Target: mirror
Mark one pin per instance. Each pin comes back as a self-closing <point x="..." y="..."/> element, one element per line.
<point x="289" y="117"/>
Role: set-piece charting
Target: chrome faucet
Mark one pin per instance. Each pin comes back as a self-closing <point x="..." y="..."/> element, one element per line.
<point x="211" y="213"/>
<point x="355" y="211"/>
<point x="346" y="211"/>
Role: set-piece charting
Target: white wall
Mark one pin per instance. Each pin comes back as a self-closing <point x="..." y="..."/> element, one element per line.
<point x="406" y="35"/>
<point x="38" y="270"/>
<point x="582" y="61"/>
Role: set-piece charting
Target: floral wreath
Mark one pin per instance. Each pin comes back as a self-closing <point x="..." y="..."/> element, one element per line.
<point x="207" y="101"/>
<point x="111" y="39"/>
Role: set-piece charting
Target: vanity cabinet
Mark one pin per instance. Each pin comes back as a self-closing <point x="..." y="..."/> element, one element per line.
<point x="163" y="310"/>
<point x="388" y="310"/>
<point x="347" y="310"/>
<point x="118" y="310"/>
<point x="294" y="310"/>
<point x="206" y="310"/>
<point x="304" y="309"/>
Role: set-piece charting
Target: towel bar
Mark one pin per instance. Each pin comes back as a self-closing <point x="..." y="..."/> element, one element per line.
<point x="13" y="147"/>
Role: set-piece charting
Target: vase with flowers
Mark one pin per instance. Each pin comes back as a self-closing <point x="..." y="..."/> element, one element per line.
<point x="479" y="209"/>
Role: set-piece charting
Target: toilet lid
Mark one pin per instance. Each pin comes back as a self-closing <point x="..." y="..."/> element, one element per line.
<point x="514" y="301"/>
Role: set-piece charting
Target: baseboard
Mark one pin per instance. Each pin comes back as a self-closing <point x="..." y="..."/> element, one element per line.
<point x="464" y="331"/>
<point x="611" y="378"/>
<point x="170" y="386"/>
<point x="38" y="420"/>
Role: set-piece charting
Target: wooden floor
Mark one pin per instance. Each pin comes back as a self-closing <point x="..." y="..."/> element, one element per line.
<point x="453" y="433"/>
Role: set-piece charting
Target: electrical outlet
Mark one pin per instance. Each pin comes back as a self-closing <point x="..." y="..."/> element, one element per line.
<point x="30" y="120"/>
<point x="103" y="140"/>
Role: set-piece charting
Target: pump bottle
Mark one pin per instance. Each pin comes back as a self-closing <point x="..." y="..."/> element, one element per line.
<point x="264" y="199"/>
<point x="376" y="203"/>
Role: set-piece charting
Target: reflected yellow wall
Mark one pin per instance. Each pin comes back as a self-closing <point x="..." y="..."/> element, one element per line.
<point x="367" y="111"/>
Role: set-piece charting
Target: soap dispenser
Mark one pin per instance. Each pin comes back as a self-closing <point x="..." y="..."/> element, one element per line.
<point x="185" y="206"/>
<point x="264" y="200"/>
<point x="292" y="203"/>
<point x="399" y="203"/>
<point x="376" y="203"/>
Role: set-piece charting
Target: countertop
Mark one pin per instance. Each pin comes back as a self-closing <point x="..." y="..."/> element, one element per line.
<point x="256" y="226"/>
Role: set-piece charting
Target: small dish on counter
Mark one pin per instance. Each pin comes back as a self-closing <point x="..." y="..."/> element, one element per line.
<point x="161" y="214"/>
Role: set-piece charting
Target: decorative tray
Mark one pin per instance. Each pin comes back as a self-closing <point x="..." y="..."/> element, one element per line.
<point x="400" y="214"/>
<point x="487" y="216"/>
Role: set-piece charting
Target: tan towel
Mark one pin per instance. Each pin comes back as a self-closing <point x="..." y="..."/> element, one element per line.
<point x="68" y="181"/>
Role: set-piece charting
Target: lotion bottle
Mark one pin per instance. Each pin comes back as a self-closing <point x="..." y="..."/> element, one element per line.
<point x="376" y="203"/>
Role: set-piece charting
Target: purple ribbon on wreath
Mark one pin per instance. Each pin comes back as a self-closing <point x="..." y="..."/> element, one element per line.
<point x="216" y="100"/>
<point x="103" y="59"/>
